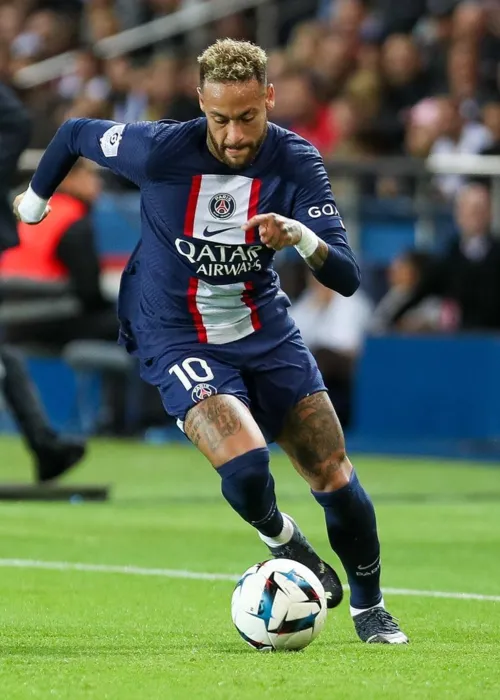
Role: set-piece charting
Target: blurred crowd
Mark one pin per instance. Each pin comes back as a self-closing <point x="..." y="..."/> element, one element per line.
<point x="360" y="79"/>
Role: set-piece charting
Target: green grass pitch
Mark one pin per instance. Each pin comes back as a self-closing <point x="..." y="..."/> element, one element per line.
<point x="73" y="635"/>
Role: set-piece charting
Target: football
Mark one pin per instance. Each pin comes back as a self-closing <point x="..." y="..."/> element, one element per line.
<point x="279" y="605"/>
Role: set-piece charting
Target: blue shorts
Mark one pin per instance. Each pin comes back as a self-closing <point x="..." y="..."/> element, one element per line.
<point x="270" y="376"/>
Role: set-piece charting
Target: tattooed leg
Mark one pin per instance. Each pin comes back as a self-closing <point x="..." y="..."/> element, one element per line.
<point x="314" y="441"/>
<point x="222" y="428"/>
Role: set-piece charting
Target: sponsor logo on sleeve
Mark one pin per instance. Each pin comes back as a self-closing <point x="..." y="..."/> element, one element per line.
<point x="110" y="140"/>
<point x="326" y="210"/>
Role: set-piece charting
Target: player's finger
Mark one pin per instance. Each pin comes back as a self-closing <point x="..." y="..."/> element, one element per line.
<point x="257" y="220"/>
<point x="272" y="237"/>
<point x="265" y="233"/>
<point x="282" y="238"/>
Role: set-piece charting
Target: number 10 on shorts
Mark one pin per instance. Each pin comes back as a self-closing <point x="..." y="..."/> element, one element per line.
<point x="192" y="370"/>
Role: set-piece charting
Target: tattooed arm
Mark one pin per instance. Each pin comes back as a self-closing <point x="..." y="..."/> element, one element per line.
<point x="328" y="254"/>
<point x="314" y="227"/>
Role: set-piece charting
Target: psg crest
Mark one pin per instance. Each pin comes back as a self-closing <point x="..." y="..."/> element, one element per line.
<point x="222" y="206"/>
<point x="202" y="391"/>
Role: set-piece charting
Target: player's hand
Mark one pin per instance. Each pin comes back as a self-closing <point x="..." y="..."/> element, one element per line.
<point x="19" y="217"/>
<point x="275" y="231"/>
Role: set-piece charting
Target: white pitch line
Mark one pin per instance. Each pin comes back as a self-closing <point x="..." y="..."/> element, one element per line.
<point x="110" y="569"/>
<point x="442" y="594"/>
<point x="206" y="576"/>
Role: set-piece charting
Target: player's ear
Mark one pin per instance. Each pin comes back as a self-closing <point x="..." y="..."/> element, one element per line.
<point x="270" y="97"/>
<point x="200" y="99"/>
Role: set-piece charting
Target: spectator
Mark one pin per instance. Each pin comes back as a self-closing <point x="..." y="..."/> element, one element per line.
<point x="303" y="45"/>
<point x="102" y="22"/>
<point x="463" y="79"/>
<point x="333" y="63"/>
<point x="469" y="22"/>
<point x="11" y="21"/>
<point x="45" y="33"/>
<point x="405" y="275"/>
<point x="160" y="87"/>
<point x="436" y="40"/>
<point x="423" y="127"/>
<point x="466" y="276"/>
<point x="333" y="327"/>
<point x="398" y="17"/>
<point x="52" y="454"/>
<point x="84" y="89"/>
<point x="61" y="250"/>
<point x="405" y="83"/>
<point x="491" y="119"/>
<point x="127" y="96"/>
<point x="185" y="105"/>
<point x="348" y="130"/>
<point x="299" y="109"/>
<point x="456" y="136"/>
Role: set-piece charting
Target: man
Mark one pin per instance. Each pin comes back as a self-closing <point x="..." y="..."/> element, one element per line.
<point x="200" y="304"/>
<point x="404" y="275"/>
<point x="62" y="250"/>
<point x="466" y="275"/>
<point x="52" y="454"/>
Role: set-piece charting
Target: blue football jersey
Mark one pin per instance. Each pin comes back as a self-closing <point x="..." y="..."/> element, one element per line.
<point x="196" y="275"/>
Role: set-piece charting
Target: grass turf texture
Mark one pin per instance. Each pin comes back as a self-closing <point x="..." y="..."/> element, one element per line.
<point x="75" y="635"/>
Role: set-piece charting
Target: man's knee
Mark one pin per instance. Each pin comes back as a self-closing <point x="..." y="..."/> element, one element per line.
<point x="248" y="474"/>
<point x="332" y="474"/>
<point x="314" y="439"/>
<point x="222" y="428"/>
<point x="248" y="486"/>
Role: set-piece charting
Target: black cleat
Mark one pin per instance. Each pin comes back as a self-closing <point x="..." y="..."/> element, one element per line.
<point x="377" y="626"/>
<point x="299" y="549"/>
<point x="57" y="457"/>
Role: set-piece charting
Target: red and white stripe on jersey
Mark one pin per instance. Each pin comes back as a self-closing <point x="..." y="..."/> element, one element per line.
<point x="222" y="313"/>
<point x="200" y="221"/>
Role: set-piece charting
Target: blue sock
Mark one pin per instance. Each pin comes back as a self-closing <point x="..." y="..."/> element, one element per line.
<point x="352" y="531"/>
<point x="248" y="487"/>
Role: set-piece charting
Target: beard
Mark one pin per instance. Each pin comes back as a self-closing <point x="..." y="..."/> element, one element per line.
<point x="220" y="151"/>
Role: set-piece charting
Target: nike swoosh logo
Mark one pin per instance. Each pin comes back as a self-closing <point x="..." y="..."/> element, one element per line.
<point x="363" y="568"/>
<point x="209" y="234"/>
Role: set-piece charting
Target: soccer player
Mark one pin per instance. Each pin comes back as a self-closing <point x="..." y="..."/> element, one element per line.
<point x="201" y="307"/>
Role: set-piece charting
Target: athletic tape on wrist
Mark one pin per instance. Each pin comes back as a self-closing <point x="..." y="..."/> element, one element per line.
<point x="31" y="207"/>
<point x="308" y="243"/>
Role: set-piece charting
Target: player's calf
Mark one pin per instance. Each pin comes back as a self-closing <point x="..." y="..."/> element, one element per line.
<point x="225" y="432"/>
<point x="314" y="440"/>
<point x="248" y="487"/>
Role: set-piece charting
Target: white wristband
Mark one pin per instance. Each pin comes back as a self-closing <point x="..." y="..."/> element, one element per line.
<point x="31" y="207"/>
<point x="308" y="243"/>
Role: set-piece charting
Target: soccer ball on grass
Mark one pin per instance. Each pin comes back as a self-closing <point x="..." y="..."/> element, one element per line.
<point x="279" y="605"/>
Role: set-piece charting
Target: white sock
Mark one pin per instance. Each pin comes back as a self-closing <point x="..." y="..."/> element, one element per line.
<point x="284" y="536"/>
<point x="358" y="611"/>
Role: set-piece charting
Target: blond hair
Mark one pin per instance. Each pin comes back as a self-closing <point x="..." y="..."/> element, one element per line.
<point x="229" y="61"/>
